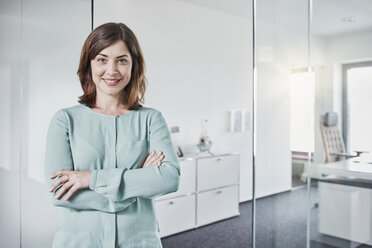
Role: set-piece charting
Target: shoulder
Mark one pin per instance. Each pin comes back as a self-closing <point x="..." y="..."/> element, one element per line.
<point x="151" y="116"/>
<point x="76" y="109"/>
<point x="70" y="111"/>
<point x="64" y="114"/>
<point x="149" y="112"/>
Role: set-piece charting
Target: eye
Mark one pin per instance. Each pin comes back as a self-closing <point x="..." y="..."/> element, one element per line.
<point x="123" y="61"/>
<point x="101" y="60"/>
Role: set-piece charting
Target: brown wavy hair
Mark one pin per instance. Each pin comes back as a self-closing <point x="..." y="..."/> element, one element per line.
<point x="100" y="38"/>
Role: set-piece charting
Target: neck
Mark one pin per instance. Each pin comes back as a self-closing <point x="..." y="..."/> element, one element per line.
<point x="107" y="102"/>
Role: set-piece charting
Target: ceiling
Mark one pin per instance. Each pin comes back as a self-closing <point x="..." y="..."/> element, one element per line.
<point x="327" y="14"/>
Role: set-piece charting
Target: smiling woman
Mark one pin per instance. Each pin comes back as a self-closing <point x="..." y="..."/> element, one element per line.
<point x="109" y="71"/>
<point x="112" y="52"/>
<point x="107" y="158"/>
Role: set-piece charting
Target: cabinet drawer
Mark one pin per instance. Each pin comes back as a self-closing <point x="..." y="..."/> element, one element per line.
<point x="217" y="204"/>
<point x="187" y="180"/>
<point x="218" y="172"/>
<point x="175" y="215"/>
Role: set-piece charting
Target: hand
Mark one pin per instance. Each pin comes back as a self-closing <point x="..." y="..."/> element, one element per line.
<point x="154" y="158"/>
<point x="73" y="181"/>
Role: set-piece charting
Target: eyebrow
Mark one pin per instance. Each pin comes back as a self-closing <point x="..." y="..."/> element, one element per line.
<point x="121" y="56"/>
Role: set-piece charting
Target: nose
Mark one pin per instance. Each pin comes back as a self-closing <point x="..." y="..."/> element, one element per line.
<point x="112" y="68"/>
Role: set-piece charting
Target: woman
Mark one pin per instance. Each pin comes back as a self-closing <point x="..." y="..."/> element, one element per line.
<point x="107" y="158"/>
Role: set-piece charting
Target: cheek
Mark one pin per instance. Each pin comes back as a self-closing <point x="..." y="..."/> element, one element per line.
<point x="126" y="73"/>
<point x="96" y="74"/>
<point x="97" y="70"/>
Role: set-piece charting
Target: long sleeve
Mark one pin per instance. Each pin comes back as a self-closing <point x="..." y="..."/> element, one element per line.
<point x="58" y="156"/>
<point x="119" y="184"/>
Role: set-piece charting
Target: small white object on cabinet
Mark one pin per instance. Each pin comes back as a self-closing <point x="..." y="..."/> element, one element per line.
<point x="208" y="192"/>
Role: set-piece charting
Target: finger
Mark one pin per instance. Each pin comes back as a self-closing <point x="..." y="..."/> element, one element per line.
<point x="63" y="189"/>
<point x="58" y="182"/>
<point x="57" y="173"/>
<point x="149" y="157"/>
<point x="71" y="192"/>
<point x="158" y="159"/>
<point x="154" y="158"/>
<point x="158" y="163"/>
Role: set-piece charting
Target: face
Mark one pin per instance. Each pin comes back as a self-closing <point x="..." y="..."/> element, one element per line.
<point x="111" y="69"/>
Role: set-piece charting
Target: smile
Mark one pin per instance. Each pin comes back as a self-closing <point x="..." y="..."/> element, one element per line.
<point x="111" y="82"/>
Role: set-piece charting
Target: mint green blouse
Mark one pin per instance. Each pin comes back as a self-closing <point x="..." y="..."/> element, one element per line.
<point x="117" y="210"/>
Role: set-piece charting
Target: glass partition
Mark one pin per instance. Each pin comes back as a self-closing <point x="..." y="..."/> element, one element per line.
<point x="199" y="69"/>
<point x="285" y="97"/>
<point x="50" y="45"/>
<point x="10" y="112"/>
<point x="341" y="175"/>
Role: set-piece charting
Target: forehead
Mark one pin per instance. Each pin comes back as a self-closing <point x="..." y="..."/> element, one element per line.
<point x="116" y="49"/>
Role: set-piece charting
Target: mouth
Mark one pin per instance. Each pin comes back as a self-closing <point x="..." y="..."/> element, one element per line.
<point x="111" y="81"/>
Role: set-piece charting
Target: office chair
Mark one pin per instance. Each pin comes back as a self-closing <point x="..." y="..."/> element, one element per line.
<point x="333" y="142"/>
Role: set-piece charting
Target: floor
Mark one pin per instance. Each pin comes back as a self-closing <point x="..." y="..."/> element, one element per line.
<point x="280" y="223"/>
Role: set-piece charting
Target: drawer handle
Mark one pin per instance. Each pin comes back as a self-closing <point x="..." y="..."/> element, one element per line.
<point x="219" y="159"/>
<point x="219" y="192"/>
<point x="171" y="203"/>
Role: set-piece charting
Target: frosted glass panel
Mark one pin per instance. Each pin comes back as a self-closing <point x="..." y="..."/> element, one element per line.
<point x="53" y="33"/>
<point x="10" y="67"/>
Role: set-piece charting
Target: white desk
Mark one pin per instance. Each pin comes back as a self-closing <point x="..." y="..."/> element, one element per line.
<point x="345" y="204"/>
<point x="359" y="168"/>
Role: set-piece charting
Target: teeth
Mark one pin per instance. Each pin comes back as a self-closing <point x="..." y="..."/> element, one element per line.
<point x="112" y="81"/>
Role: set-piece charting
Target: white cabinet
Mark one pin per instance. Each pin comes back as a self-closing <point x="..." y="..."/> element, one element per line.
<point x="218" y="204"/>
<point x="176" y="215"/>
<point x="187" y="180"/>
<point x="208" y="192"/>
<point x="214" y="172"/>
